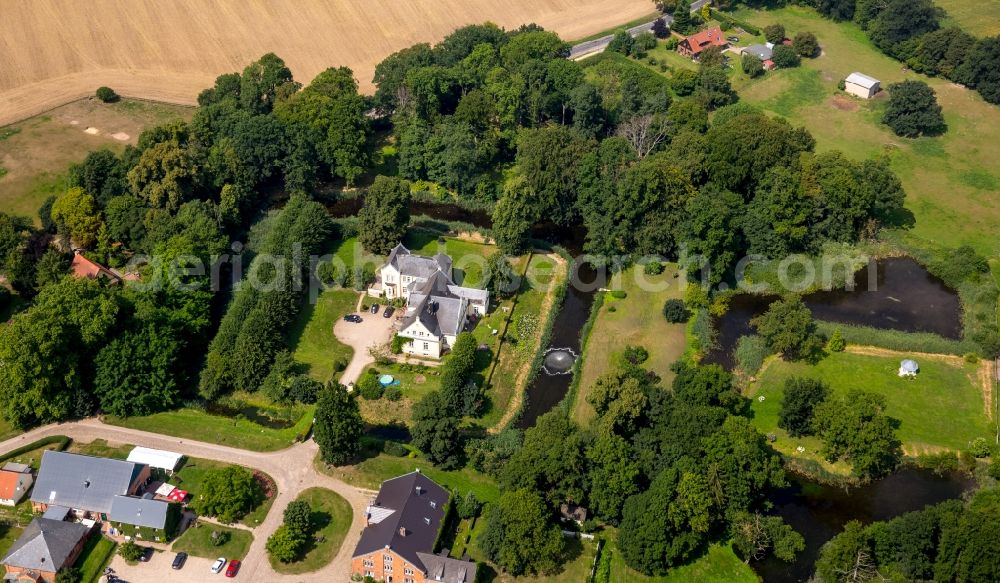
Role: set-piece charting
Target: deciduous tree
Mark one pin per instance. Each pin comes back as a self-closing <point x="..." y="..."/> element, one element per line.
<point x="338" y="426"/>
<point x="385" y="215"/>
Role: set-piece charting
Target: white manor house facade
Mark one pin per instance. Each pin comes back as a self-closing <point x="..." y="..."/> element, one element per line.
<point x="437" y="309"/>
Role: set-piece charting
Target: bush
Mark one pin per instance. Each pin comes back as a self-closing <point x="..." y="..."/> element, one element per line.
<point x="622" y="43"/>
<point x="635" y="354"/>
<point x="979" y="447"/>
<point x="684" y="82"/>
<point x="994" y="470"/>
<point x="645" y="41"/>
<point x="219" y="537"/>
<point x="671" y="43"/>
<point x="393" y="393"/>
<point x="785" y="57"/>
<point x="653" y="268"/>
<point x="106" y="94"/>
<point x="842" y="84"/>
<point x="619" y="294"/>
<point x="806" y="45"/>
<point x="971" y="357"/>
<point x="398" y="342"/>
<point x="750" y="353"/>
<point x="774" y="33"/>
<point x="836" y="342"/>
<point x="941" y="463"/>
<point x="394" y="448"/>
<point x="130" y="551"/>
<point x="752" y="65"/>
<point x="369" y="387"/>
<point x="675" y="311"/>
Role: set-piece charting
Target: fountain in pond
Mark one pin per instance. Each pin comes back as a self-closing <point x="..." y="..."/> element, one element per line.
<point x="558" y="361"/>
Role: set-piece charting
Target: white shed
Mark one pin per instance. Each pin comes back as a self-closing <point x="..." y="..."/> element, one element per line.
<point x="155" y="458"/>
<point x="861" y="85"/>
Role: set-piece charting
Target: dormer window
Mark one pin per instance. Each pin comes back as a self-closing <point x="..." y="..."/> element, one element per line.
<point x="434" y="504"/>
<point x="427" y="521"/>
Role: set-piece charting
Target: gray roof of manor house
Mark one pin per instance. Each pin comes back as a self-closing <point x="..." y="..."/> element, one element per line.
<point x="404" y="517"/>
<point x="139" y="511"/>
<point x="45" y="545"/>
<point x="418" y="265"/>
<point x="437" y="306"/>
<point x="447" y="570"/>
<point x="82" y="481"/>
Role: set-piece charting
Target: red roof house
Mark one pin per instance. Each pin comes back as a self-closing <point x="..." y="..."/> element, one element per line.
<point x="693" y="45"/>
<point x="82" y="267"/>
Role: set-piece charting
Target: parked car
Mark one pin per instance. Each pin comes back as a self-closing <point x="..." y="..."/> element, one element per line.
<point x="733" y="39"/>
<point x="179" y="560"/>
<point x="388" y="312"/>
<point x="352" y="318"/>
<point x="218" y="565"/>
<point x="147" y="554"/>
<point x="375" y="308"/>
<point x="234" y="567"/>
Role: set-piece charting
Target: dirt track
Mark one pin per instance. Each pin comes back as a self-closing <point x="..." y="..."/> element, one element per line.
<point x="55" y="51"/>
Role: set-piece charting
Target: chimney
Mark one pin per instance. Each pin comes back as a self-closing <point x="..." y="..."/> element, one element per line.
<point x="418" y="489"/>
<point x="402" y="531"/>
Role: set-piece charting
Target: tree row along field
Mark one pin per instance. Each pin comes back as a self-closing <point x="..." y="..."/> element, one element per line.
<point x="56" y="51"/>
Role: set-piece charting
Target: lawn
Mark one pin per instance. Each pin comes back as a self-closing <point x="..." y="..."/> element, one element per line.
<point x="373" y="471"/>
<point x="331" y="517"/>
<point x="96" y="555"/>
<point x="191" y="477"/>
<point x="37" y="152"/>
<point x="197" y="541"/>
<point x="950" y="180"/>
<point x="977" y="18"/>
<point x="468" y="257"/>
<point x="415" y="381"/>
<point x="101" y="448"/>
<point x="312" y="334"/>
<point x="193" y="423"/>
<point x="718" y="565"/>
<point x="7" y="430"/>
<point x="636" y="320"/>
<point x="8" y="534"/>
<point x="941" y="408"/>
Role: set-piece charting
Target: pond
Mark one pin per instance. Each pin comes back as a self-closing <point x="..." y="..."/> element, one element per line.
<point x="820" y="512"/>
<point x="896" y="293"/>
<point x="257" y="415"/>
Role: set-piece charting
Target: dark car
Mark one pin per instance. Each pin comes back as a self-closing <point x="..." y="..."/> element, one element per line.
<point x="147" y="554"/>
<point x="352" y="318"/>
<point x="234" y="567"/>
<point x="733" y="39"/>
<point x="388" y="312"/>
<point x="375" y="308"/>
<point x="179" y="560"/>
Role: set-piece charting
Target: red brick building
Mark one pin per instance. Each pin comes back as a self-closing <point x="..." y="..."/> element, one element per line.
<point x="693" y="45"/>
<point x="402" y="527"/>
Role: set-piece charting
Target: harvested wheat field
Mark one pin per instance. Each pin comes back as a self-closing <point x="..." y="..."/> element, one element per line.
<point x="55" y="51"/>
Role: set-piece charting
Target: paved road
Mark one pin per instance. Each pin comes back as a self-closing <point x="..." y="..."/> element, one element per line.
<point x="292" y="470"/>
<point x="598" y="45"/>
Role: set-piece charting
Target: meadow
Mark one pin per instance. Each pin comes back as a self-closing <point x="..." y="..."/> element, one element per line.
<point x="942" y="408"/>
<point x="636" y="320"/>
<point x="950" y="181"/>
<point x="35" y="154"/>
<point x="976" y="18"/>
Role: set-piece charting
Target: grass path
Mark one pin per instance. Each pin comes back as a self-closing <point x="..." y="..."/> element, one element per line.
<point x="520" y="382"/>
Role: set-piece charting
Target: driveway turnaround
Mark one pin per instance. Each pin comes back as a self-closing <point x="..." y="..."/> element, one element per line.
<point x="373" y="330"/>
<point x="292" y="470"/>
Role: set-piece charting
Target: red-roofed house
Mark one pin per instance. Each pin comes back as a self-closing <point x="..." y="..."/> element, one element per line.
<point x="85" y="268"/>
<point x="693" y="45"/>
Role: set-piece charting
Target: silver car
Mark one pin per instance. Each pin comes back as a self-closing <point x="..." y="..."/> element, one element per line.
<point x="218" y="565"/>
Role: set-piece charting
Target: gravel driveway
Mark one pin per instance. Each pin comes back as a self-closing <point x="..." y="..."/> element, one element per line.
<point x="372" y="331"/>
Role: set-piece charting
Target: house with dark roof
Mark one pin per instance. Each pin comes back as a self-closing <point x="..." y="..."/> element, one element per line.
<point x="437" y="309"/>
<point x="99" y="489"/>
<point x="45" y="547"/>
<point x="693" y="45"/>
<point x="402" y="525"/>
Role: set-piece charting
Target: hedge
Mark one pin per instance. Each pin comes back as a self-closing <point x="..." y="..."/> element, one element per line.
<point x="735" y="22"/>
<point x="62" y="440"/>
